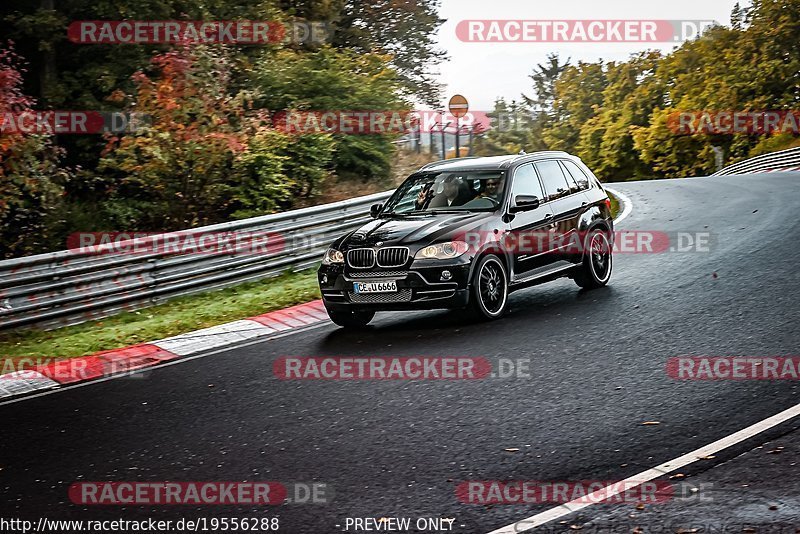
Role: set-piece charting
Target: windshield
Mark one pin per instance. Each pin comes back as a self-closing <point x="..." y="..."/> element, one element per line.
<point x="448" y="191"/>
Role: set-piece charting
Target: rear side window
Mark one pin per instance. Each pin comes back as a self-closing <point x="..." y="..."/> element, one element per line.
<point x="577" y="174"/>
<point x="573" y="185"/>
<point x="553" y="179"/>
<point x="527" y="183"/>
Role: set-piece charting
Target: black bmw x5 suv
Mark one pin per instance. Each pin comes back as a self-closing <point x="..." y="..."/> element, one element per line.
<point x="467" y="232"/>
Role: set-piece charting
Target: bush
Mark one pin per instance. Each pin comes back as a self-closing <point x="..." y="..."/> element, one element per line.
<point x="31" y="181"/>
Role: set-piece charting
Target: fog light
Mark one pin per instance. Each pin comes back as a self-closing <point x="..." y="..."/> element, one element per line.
<point x="446" y="275"/>
<point x="324" y="278"/>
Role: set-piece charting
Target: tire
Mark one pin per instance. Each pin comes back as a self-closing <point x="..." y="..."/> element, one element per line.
<point x="351" y="319"/>
<point x="595" y="270"/>
<point x="489" y="289"/>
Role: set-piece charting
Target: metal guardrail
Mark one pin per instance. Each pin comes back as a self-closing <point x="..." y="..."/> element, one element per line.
<point x="785" y="159"/>
<point x="89" y="283"/>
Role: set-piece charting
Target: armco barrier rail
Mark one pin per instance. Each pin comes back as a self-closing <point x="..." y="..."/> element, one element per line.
<point x="784" y="160"/>
<point x="78" y="285"/>
<point x="82" y="284"/>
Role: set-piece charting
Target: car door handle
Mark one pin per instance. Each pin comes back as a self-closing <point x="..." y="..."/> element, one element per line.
<point x="584" y="204"/>
<point x="548" y="216"/>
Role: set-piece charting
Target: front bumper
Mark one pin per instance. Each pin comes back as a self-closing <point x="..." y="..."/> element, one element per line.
<point x="422" y="286"/>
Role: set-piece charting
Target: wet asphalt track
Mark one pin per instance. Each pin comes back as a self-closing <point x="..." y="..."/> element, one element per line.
<point x="391" y="448"/>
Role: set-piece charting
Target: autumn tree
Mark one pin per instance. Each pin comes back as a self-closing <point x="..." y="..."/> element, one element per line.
<point x="205" y="153"/>
<point x="31" y="180"/>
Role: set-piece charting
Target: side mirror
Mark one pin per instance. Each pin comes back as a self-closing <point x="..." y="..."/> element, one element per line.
<point x="374" y="210"/>
<point x="524" y="203"/>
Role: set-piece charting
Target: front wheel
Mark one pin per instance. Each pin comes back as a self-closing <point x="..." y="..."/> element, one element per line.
<point x="489" y="288"/>
<point x="351" y="319"/>
<point x="595" y="270"/>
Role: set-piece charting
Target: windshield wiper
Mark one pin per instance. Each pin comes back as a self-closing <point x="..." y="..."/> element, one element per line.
<point x="425" y="212"/>
<point x="404" y="213"/>
<point x="450" y="211"/>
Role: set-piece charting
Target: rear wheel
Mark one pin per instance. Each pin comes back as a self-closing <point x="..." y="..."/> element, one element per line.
<point x="350" y="318"/>
<point x="595" y="270"/>
<point x="489" y="288"/>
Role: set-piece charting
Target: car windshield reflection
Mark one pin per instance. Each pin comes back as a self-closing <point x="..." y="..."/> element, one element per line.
<point x="447" y="192"/>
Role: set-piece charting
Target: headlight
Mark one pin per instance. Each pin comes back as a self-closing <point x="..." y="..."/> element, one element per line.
<point x="332" y="256"/>
<point x="442" y="251"/>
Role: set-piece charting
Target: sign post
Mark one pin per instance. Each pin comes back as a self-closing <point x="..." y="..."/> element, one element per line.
<point x="459" y="107"/>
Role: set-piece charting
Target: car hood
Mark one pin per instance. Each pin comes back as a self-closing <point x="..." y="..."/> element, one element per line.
<point x="414" y="230"/>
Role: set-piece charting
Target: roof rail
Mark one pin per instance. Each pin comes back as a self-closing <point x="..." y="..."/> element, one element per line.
<point x="540" y="153"/>
<point x="443" y="161"/>
<point x="513" y="158"/>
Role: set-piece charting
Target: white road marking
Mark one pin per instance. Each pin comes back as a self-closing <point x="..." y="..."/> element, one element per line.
<point x="627" y="204"/>
<point x="24" y="381"/>
<point x="168" y="363"/>
<point x="210" y="338"/>
<point x="225" y="336"/>
<point x="651" y="474"/>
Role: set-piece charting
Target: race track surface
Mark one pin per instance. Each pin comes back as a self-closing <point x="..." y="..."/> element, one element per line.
<point x="400" y="448"/>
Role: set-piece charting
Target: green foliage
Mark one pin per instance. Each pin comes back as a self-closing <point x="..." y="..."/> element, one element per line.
<point x="667" y="154"/>
<point x="578" y="93"/>
<point x="308" y="161"/>
<point x="31" y="188"/>
<point x="277" y="167"/>
<point x="263" y="182"/>
<point x="181" y="163"/>
<point x="618" y="117"/>
<point x="177" y="316"/>
<point x="514" y="129"/>
<point x="544" y="79"/>
<point x="606" y="141"/>
<point x="208" y="155"/>
<point x="775" y="143"/>
<point x="404" y="31"/>
<point x="336" y="80"/>
<point x="211" y="152"/>
<point x="31" y="181"/>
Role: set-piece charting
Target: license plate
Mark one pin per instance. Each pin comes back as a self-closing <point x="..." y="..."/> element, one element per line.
<point x="375" y="287"/>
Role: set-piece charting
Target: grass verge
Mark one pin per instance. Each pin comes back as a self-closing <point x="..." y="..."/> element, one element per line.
<point x="171" y="318"/>
<point x="168" y="319"/>
<point x="614" y="204"/>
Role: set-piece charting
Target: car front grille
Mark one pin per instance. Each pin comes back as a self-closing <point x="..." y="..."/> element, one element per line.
<point x="361" y="258"/>
<point x="378" y="274"/>
<point x="403" y="295"/>
<point x="392" y="256"/>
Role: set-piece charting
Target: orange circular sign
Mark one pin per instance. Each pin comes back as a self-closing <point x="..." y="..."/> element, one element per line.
<point x="458" y="106"/>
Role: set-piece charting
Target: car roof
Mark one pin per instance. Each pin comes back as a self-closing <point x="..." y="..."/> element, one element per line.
<point x="490" y="162"/>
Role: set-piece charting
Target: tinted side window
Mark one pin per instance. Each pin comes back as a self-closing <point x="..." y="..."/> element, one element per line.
<point x="555" y="183"/>
<point x="573" y="185"/>
<point x="527" y="183"/>
<point x="577" y="174"/>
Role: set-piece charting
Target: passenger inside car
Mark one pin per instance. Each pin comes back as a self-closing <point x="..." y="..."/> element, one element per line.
<point x="455" y="192"/>
<point x="489" y="195"/>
